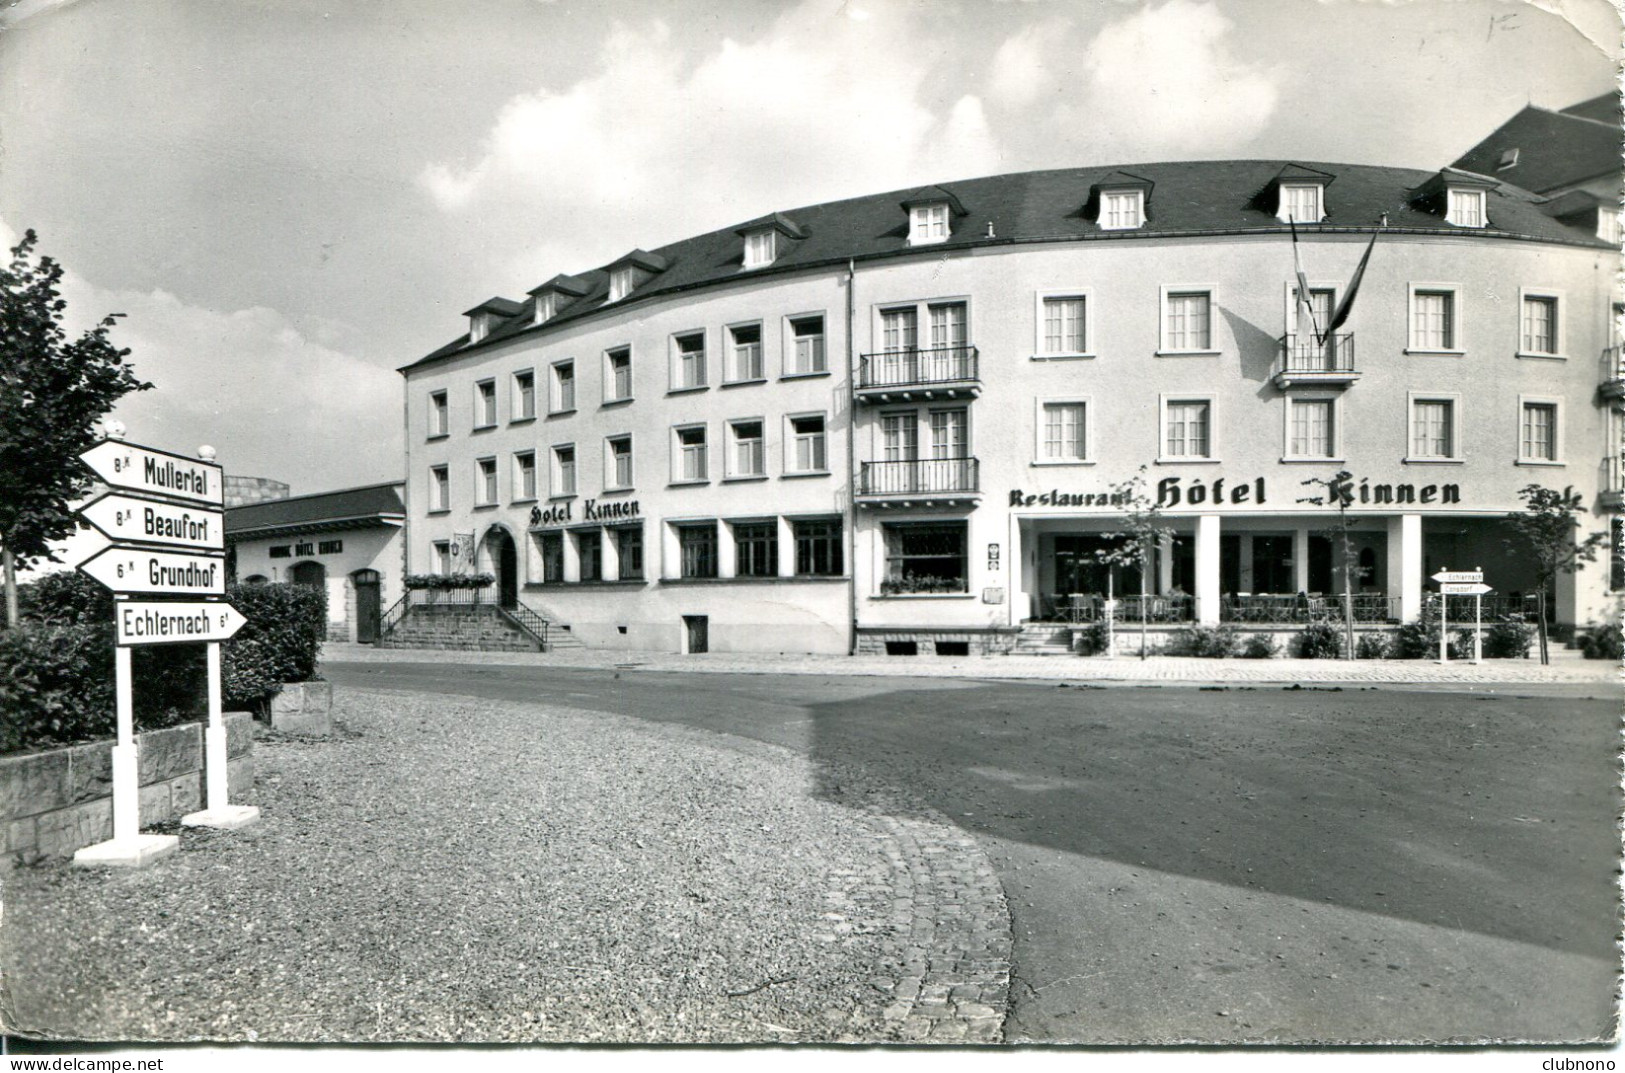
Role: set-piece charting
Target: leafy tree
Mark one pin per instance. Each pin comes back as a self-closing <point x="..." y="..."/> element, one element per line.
<point x="1136" y="540"/>
<point x="1336" y="490"/>
<point x="1543" y="535"/>
<point x="52" y="393"/>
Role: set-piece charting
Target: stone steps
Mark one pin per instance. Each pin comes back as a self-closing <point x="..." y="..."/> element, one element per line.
<point x="473" y="630"/>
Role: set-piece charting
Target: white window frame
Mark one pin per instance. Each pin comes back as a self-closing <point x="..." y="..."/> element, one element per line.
<point x="1289" y="303"/>
<point x="1457" y="321"/>
<point x="1451" y="193"/>
<point x="1164" y="348"/>
<point x="678" y="456"/>
<point x="520" y="495"/>
<point x="1084" y="294"/>
<point x="485" y="416"/>
<point x="1136" y="210"/>
<point x="439" y="414"/>
<point x="731" y="370"/>
<point x="1282" y="211"/>
<point x="479" y="326"/>
<point x="612" y="482"/>
<point x="487" y="482"/>
<point x="731" y="470"/>
<point x="609" y="374"/>
<point x="1559" y="314"/>
<point x="1292" y="399"/>
<point x="558" y="487"/>
<point x="761" y="247"/>
<point x="518" y="396"/>
<point x="439" y="488"/>
<point x="621" y="283"/>
<point x="1212" y="456"/>
<point x="791" y="341"/>
<point x="922" y="321"/>
<point x="677" y="360"/>
<point x="1556" y="404"/>
<point x="555" y="389"/>
<point x="792" y="442"/>
<point x="926" y="218"/>
<point x="442" y="557"/>
<point x="547" y="306"/>
<point x="1412" y="398"/>
<point x="1088" y="404"/>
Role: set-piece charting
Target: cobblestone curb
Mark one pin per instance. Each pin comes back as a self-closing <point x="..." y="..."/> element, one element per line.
<point x="949" y="977"/>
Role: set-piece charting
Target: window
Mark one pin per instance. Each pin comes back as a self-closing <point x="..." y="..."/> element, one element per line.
<point x="552" y="549"/>
<point x="564" y="388"/>
<point x="756" y="549"/>
<point x="620" y="283"/>
<point x="546" y="305"/>
<point x="1063" y="325"/>
<point x="924" y="559"/>
<point x="948" y="433"/>
<point x="524" y="395"/>
<point x="590" y="554"/>
<point x="618" y="384"/>
<point x="807" y="453"/>
<point x="1433" y="318"/>
<point x="900" y="337"/>
<point x="691" y="453"/>
<point x="1187" y="428"/>
<point x="697" y="550"/>
<point x="818" y="548"/>
<point x="629" y="550"/>
<point x="745" y="362"/>
<point x="442" y="556"/>
<point x="947" y="325"/>
<point x="485" y="404"/>
<point x="1616" y="555"/>
<point x="524" y="474"/>
<point x="900" y="436"/>
<point x="1433" y="428"/>
<point x="1310" y="422"/>
<point x="485" y="480"/>
<point x="928" y="223"/>
<point x="749" y="455"/>
<point x="1122" y="210"/>
<point x="1187" y="324"/>
<point x="439" y="414"/>
<point x="564" y="470"/>
<point x="620" y="461"/>
<point x="1540" y="326"/>
<point x="1465" y="208"/>
<point x="759" y="248"/>
<point x="1300" y="202"/>
<point x="690" y="361"/>
<point x="1063" y="431"/>
<point x="1538" y="437"/>
<point x="439" y="488"/>
<point x="807" y="349"/>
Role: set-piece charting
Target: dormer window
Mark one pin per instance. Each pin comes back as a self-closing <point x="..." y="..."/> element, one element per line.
<point x="1300" y="203"/>
<point x="1464" y="208"/>
<point x="1509" y="159"/>
<point x="487" y="315"/>
<point x="479" y="326"/>
<point x="759" y="248"/>
<point x="620" y="283"/>
<point x="628" y="273"/>
<point x="1122" y="210"/>
<point x="928" y="223"/>
<point x="546" y="306"/>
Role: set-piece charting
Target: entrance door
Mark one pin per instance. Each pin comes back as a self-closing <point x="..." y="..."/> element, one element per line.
<point x="1272" y="565"/>
<point x="1321" y="578"/>
<point x="696" y="628"/>
<point x="368" y="606"/>
<point x="507" y="558"/>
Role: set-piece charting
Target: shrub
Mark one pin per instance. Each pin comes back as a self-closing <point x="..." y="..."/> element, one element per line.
<point x="1416" y="640"/>
<point x="1260" y="646"/>
<point x="281" y="642"/>
<point x="449" y="581"/>
<point x="56" y="684"/>
<point x="1371" y="646"/>
<point x="1510" y="638"/>
<point x="1606" y="642"/>
<point x="1208" y="642"/>
<point x="1092" y="639"/>
<point x="1318" y="640"/>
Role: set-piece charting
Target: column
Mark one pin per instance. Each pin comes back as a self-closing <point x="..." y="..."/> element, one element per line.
<point x="1015" y="568"/>
<point x="727" y="551"/>
<point x="1207" y="569"/>
<point x="611" y="554"/>
<point x="787" y="547"/>
<point x="1405" y="564"/>
<point x="1165" y="564"/>
<point x="1300" y="559"/>
<point x="671" y="551"/>
<point x="572" y="557"/>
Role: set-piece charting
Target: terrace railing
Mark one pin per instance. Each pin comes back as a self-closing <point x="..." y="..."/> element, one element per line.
<point x="917" y="368"/>
<point x="918" y="476"/>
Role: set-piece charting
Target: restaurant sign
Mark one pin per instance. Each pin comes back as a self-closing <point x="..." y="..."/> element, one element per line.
<point x="1173" y="492"/>
<point x="592" y="510"/>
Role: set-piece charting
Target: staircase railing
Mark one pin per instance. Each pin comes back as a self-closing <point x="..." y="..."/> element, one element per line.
<point x="528" y="621"/>
<point x="394" y="616"/>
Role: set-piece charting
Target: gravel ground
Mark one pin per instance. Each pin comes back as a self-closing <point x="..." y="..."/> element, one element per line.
<point x="453" y="869"/>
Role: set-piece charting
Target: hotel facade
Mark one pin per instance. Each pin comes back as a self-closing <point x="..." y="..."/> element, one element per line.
<point x="905" y="421"/>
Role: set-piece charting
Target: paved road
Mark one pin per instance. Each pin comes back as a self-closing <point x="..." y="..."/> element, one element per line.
<point x="1244" y="864"/>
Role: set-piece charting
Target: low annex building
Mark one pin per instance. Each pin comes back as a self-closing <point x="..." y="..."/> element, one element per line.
<point x="348" y="542"/>
<point x="906" y="419"/>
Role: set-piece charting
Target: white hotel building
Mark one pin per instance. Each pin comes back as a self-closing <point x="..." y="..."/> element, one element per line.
<point x="898" y="419"/>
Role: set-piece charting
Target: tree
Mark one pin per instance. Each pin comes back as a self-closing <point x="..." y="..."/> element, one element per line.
<point x="52" y="393"/>
<point x="1337" y="491"/>
<point x="1136" y="541"/>
<point x="1543" y="534"/>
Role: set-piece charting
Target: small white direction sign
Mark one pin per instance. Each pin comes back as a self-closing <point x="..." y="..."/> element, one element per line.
<point x="144" y="623"/>
<point x="1459" y="577"/>
<point x="146" y="469"/>
<point x="145" y="521"/>
<point x="137" y="571"/>
<point x="1463" y="588"/>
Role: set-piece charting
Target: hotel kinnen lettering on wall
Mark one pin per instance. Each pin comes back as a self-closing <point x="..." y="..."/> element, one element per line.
<point x="1178" y="492"/>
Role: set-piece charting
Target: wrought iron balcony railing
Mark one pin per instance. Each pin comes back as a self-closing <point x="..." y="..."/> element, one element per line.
<point x="1311" y="360"/>
<point x="1613" y="373"/>
<point x="953" y="367"/>
<point x="919" y="477"/>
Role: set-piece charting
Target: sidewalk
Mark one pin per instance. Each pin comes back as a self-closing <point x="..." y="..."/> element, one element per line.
<point x="1566" y="668"/>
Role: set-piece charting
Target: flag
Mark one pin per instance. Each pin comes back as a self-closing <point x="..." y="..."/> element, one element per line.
<point x="1346" y="306"/>
<point x="1307" y="328"/>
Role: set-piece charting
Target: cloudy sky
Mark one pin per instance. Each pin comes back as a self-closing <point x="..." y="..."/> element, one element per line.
<point x="290" y="199"/>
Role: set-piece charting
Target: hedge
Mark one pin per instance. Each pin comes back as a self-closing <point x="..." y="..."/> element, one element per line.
<point x="56" y="667"/>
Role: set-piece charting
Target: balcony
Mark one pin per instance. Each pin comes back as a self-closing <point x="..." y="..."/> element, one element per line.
<point x="1308" y="362"/>
<point x="1612" y="495"/>
<point x="1613" y="373"/>
<point x="921" y="482"/>
<point x="919" y="375"/>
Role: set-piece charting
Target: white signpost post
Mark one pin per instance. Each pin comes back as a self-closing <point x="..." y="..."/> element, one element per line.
<point x="130" y="570"/>
<point x="1461" y="583"/>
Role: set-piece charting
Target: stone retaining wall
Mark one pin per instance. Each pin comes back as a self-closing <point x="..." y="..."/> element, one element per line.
<point x="56" y="802"/>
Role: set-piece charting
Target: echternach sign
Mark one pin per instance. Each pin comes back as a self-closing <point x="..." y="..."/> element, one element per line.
<point x="1183" y="491"/>
<point x="592" y="510"/>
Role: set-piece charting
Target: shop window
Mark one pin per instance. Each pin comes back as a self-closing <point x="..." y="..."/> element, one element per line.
<point x="590" y="553"/>
<point x="924" y="558"/>
<point x="629" y="549"/>
<point x="551" y="546"/>
<point x="756" y="549"/>
<point x="697" y="550"/>
<point x="819" y="548"/>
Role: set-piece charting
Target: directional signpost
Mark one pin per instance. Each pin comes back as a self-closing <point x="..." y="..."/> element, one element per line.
<point x="163" y="536"/>
<point x="1461" y="583"/>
